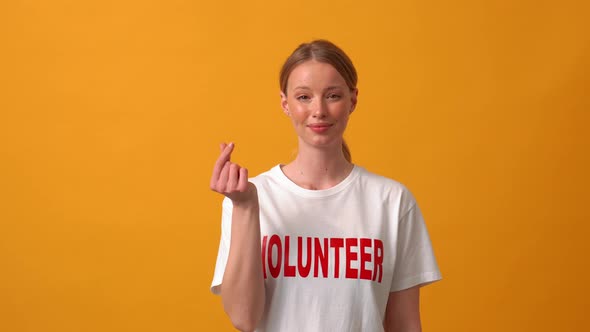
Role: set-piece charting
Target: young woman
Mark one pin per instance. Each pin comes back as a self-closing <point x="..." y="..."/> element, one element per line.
<point x="319" y="244"/>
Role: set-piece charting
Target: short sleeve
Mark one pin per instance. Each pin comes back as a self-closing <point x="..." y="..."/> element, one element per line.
<point x="415" y="263"/>
<point x="224" y="243"/>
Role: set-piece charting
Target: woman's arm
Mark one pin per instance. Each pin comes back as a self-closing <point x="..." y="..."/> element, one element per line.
<point x="403" y="311"/>
<point x="242" y="288"/>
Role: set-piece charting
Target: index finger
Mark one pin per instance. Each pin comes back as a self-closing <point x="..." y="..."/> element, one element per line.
<point x="222" y="159"/>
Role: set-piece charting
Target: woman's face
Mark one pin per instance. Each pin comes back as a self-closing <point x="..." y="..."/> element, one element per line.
<point x="319" y="102"/>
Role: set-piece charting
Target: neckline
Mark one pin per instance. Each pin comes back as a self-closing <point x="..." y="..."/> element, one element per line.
<point x="295" y="188"/>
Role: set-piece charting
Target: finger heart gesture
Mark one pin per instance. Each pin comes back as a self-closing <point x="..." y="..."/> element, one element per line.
<point x="230" y="179"/>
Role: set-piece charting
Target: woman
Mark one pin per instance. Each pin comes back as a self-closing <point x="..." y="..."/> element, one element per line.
<point x="319" y="244"/>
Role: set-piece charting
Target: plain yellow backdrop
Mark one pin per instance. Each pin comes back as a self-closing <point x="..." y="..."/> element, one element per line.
<point x="112" y="111"/>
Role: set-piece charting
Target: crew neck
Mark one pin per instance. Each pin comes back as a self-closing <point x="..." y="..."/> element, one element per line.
<point x="277" y="172"/>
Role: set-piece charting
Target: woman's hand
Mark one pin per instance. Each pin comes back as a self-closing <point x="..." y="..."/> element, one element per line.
<point x="231" y="179"/>
<point x="242" y="288"/>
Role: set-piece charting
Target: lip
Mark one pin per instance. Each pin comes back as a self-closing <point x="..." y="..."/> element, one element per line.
<point x="319" y="125"/>
<point x="319" y="128"/>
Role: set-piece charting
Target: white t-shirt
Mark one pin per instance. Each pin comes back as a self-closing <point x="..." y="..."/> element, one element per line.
<point x="331" y="257"/>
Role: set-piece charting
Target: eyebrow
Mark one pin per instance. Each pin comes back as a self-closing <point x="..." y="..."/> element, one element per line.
<point x="303" y="87"/>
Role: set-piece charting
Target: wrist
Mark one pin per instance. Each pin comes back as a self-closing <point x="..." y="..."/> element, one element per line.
<point x="247" y="201"/>
<point x="249" y="205"/>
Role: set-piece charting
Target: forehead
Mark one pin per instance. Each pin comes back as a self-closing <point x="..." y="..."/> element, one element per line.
<point x="314" y="73"/>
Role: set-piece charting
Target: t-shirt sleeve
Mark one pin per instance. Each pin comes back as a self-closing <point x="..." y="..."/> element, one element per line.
<point x="224" y="243"/>
<point x="415" y="263"/>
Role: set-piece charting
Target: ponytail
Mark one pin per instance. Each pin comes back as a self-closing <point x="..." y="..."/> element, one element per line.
<point x="346" y="152"/>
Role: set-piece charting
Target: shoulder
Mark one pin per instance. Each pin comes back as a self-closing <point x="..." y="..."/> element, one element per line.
<point x="267" y="176"/>
<point x="270" y="180"/>
<point x="376" y="181"/>
<point x="393" y="190"/>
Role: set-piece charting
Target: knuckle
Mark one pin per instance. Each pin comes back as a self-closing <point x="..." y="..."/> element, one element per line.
<point x="220" y="187"/>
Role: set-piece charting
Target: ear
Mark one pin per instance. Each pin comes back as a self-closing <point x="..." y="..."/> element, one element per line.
<point x="354" y="99"/>
<point x="284" y="104"/>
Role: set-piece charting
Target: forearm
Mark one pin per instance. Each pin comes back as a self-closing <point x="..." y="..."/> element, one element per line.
<point x="403" y="311"/>
<point x="399" y="324"/>
<point x="242" y="288"/>
<point x="392" y="327"/>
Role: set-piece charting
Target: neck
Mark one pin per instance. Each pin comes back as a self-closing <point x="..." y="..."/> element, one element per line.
<point x="318" y="168"/>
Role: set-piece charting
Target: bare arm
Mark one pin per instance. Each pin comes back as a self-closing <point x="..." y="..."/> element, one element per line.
<point x="403" y="311"/>
<point x="242" y="288"/>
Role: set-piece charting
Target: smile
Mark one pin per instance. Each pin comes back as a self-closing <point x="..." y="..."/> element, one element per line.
<point x="319" y="127"/>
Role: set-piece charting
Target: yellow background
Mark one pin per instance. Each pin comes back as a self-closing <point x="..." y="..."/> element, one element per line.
<point x="112" y="111"/>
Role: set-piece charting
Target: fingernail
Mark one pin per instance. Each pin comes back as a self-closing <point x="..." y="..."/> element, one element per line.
<point x="231" y="144"/>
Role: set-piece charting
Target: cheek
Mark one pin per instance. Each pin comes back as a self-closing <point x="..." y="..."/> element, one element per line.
<point x="344" y="114"/>
<point x="298" y="114"/>
<point x="296" y="107"/>
<point x="344" y="123"/>
<point x="297" y="119"/>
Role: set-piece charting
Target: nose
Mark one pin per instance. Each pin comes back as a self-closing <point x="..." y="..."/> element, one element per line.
<point x="320" y="109"/>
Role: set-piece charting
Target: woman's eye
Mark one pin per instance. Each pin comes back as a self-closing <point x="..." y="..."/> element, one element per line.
<point x="303" y="97"/>
<point x="333" y="96"/>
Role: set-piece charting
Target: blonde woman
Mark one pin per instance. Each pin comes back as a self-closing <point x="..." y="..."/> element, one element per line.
<point x="319" y="244"/>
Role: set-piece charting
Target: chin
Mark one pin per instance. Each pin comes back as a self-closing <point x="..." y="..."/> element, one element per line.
<point x="323" y="141"/>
